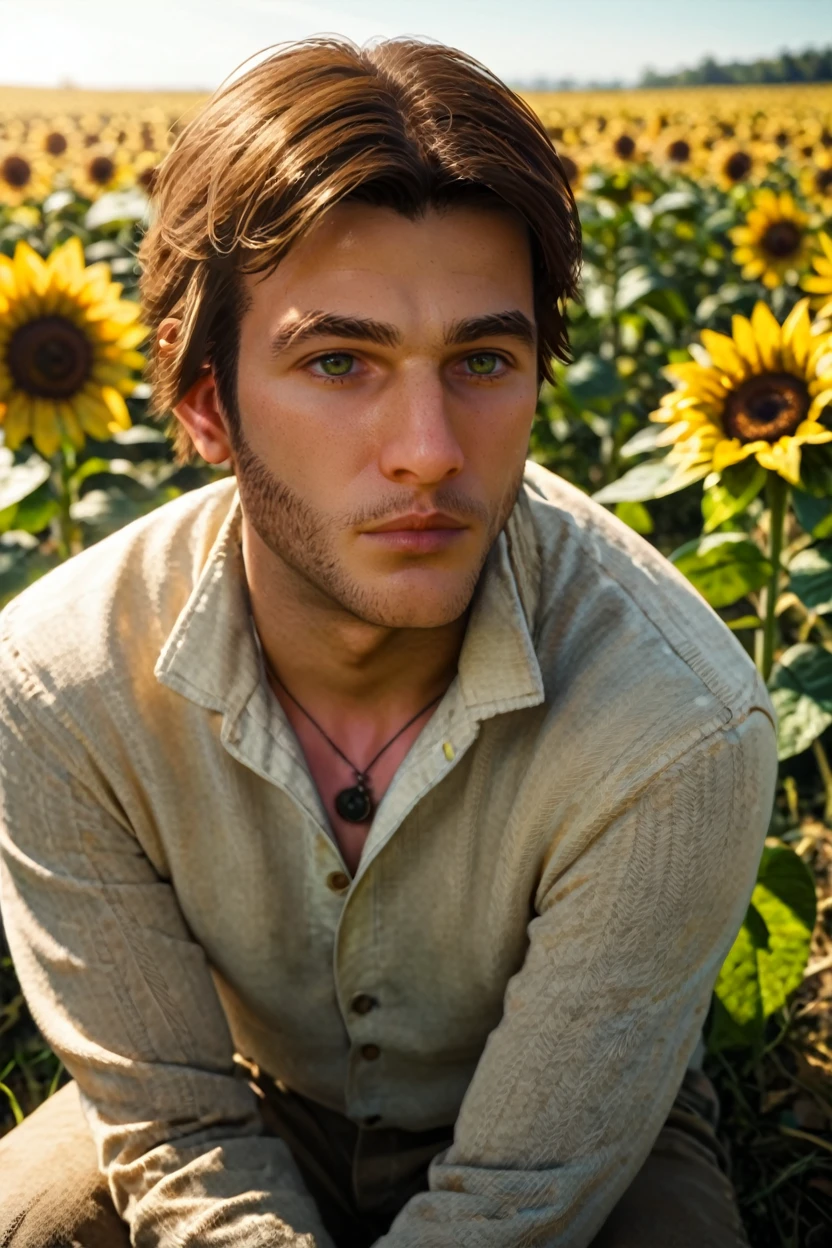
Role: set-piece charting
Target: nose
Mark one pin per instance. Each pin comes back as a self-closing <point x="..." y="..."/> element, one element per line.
<point x="419" y="444"/>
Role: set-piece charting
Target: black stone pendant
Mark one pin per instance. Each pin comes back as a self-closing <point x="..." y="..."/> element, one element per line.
<point x="355" y="804"/>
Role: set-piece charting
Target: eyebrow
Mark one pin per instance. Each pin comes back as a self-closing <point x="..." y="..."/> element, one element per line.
<point x="513" y="324"/>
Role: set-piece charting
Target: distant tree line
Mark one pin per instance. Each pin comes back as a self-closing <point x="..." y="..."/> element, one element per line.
<point x="813" y="65"/>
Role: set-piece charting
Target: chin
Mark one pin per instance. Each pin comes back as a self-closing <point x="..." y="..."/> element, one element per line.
<point x="422" y="616"/>
<point x="417" y="606"/>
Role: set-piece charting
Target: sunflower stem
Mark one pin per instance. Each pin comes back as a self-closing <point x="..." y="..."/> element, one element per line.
<point x="68" y="534"/>
<point x="777" y="496"/>
<point x="826" y="776"/>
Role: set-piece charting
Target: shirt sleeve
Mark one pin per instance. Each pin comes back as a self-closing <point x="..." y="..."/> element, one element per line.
<point x="124" y="996"/>
<point x="599" y="1023"/>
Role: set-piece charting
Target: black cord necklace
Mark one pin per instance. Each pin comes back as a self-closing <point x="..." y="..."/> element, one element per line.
<point x="354" y="804"/>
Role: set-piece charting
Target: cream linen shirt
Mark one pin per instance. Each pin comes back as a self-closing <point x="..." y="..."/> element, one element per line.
<point x="546" y="895"/>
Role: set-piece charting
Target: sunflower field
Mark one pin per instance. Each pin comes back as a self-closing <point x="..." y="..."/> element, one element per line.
<point x="697" y="406"/>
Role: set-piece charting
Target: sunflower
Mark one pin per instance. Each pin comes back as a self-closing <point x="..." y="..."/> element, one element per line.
<point x="816" y="180"/>
<point x="145" y="170"/>
<point x="100" y="168"/>
<point x="759" y="392"/>
<point x="24" y="175"/>
<point x="53" y="140"/>
<point x="572" y="169"/>
<point x="774" y="240"/>
<point x="622" y="146"/>
<point x="731" y="164"/>
<point x="678" y="148"/>
<point x="819" y="283"/>
<point x="67" y="349"/>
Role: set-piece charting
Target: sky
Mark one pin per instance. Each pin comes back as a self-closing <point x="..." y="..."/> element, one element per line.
<point x="196" y="44"/>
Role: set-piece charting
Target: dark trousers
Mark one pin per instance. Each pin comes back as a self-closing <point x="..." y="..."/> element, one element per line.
<point x="54" y="1197"/>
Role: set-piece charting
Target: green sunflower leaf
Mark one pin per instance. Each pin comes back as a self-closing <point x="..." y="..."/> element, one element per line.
<point x="643" y="440"/>
<point x="20" y="566"/>
<point x="589" y="379"/>
<point x="724" y="567"/>
<point x="801" y="691"/>
<point x="117" y="206"/>
<point x="19" y="480"/>
<point x="636" y="516"/>
<point x="638" y="484"/>
<point x="810" y="577"/>
<point x="767" y="960"/>
<point x="33" y="513"/>
<point x="814" y="515"/>
<point x="816" y="473"/>
<point x="737" y="487"/>
<point x="674" y="201"/>
<point x="637" y="283"/>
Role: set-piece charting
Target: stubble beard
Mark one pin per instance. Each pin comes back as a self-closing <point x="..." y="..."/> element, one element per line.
<point x="301" y="537"/>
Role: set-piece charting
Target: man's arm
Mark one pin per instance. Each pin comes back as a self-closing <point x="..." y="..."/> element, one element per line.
<point x="124" y="996"/>
<point x="577" y="1079"/>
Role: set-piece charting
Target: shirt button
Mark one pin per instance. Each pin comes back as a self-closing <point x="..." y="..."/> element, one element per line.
<point x="337" y="881"/>
<point x="370" y="1051"/>
<point x="372" y="1119"/>
<point x="362" y="1003"/>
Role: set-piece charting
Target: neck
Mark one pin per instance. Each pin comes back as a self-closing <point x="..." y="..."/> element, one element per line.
<point x="326" y="657"/>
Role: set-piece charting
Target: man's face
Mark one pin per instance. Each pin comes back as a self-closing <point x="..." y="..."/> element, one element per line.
<point x="387" y="370"/>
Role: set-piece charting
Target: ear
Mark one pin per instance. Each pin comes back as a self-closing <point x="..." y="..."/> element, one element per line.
<point x="199" y="411"/>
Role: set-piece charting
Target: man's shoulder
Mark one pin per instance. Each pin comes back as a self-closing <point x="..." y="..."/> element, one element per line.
<point x="607" y="599"/>
<point x="118" y="598"/>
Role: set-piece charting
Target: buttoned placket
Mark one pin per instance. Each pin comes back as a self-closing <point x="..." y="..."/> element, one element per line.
<point x="256" y="731"/>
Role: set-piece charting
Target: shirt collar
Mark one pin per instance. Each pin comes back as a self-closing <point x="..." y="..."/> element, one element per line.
<point x="212" y="654"/>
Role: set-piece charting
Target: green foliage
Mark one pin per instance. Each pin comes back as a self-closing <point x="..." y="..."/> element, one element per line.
<point x="738" y="486"/>
<point x="765" y="963"/>
<point x="724" y="567"/>
<point x="657" y="269"/>
<point x="801" y="690"/>
<point x="813" y="65"/>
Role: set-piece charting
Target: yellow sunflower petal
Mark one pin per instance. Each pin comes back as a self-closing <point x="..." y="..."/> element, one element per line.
<point x="134" y="360"/>
<point x="31" y="272"/>
<point x="72" y="425"/>
<point x="723" y="351"/>
<point x="46" y="431"/>
<point x="767" y="332"/>
<point x="17" y="421"/>
<point x="116" y="407"/>
<point x="93" y="415"/>
<point x="67" y="261"/>
<point x="8" y="285"/>
<point x="817" y="285"/>
<point x="133" y="336"/>
<point x="732" y="451"/>
<point x="795" y="337"/>
<point x="783" y="457"/>
<point x="812" y="431"/>
<point x="745" y="342"/>
<point x="819" y="402"/>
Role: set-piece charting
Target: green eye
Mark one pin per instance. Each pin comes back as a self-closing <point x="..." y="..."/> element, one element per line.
<point x="484" y="363"/>
<point x="337" y="364"/>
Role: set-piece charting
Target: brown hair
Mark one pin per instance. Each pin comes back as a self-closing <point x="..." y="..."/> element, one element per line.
<point x="404" y="124"/>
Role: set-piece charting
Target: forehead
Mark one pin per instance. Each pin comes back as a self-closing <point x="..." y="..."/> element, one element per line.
<point x="358" y="256"/>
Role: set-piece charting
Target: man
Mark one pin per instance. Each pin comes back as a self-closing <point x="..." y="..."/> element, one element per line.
<point x="391" y="767"/>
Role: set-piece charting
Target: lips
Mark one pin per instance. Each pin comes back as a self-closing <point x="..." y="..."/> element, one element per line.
<point x="418" y="522"/>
